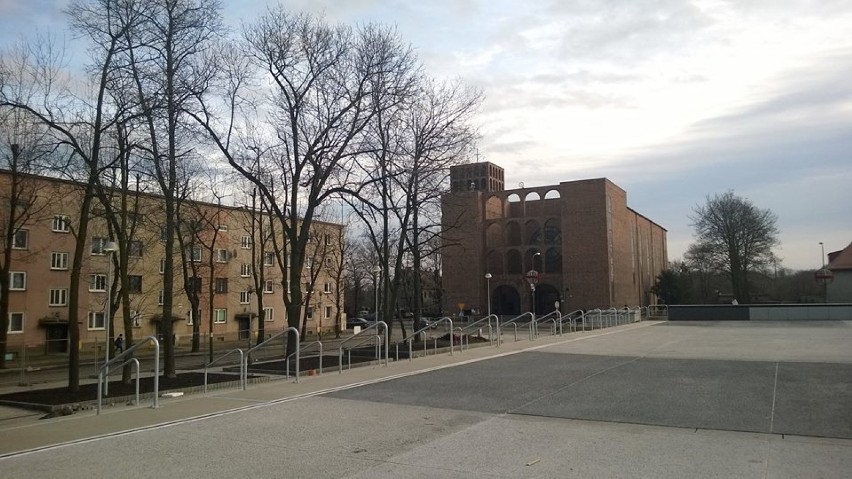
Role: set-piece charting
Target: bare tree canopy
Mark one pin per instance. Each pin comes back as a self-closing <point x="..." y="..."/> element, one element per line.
<point x="735" y="237"/>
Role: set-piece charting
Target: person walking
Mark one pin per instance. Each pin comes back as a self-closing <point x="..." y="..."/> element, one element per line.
<point x="119" y="344"/>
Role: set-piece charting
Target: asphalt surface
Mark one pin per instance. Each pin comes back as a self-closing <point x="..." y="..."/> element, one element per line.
<point x="763" y="400"/>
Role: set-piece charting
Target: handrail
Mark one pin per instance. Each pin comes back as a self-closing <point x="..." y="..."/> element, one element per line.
<point x="557" y="317"/>
<point x="572" y="319"/>
<point x="288" y="331"/>
<point x="125" y="354"/>
<point x="369" y="338"/>
<point x="242" y="379"/>
<point x="136" y="363"/>
<point x="515" y="322"/>
<point x="410" y="338"/>
<point x="302" y="349"/>
<point x="653" y="310"/>
<point x="375" y="326"/>
<point x="474" y="325"/>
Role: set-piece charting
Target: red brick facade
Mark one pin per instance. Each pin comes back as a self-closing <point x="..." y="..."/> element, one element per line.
<point x="590" y="248"/>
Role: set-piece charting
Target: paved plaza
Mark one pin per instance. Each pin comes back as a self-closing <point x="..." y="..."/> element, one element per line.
<point x="653" y="399"/>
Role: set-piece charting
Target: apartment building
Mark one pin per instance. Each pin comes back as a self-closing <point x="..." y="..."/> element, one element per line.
<point x="229" y="256"/>
<point x="578" y="241"/>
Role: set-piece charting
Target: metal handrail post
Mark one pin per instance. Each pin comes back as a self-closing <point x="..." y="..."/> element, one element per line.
<point x="207" y="366"/>
<point x="122" y="356"/>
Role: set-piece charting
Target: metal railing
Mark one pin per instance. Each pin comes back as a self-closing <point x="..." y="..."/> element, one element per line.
<point x="572" y="319"/>
<point x="555" y="318"/>
<point x="514" y="322"/>
<point x="121" y="358"/>
<point x="477" y="325"/>
<point x="243" y="377"/>
<point x="378" y="325"/>
<point x="288" y="331"/>
<point x="302" y="349"/>
<point x="410" y="339"/>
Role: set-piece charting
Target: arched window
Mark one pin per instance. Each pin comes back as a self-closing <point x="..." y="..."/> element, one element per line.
<point x="553" y="260"/>
<point x="532" y="232"/>
<point x="513" y="234"/>
<point x="494" y="235"/>
<point x="532" y="196"/>
<point x="552" y="231"/>
<point x="552" y="195"/>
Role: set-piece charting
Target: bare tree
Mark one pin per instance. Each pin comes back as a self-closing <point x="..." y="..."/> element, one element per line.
<point x="736" y="236"/>
<point x="324" y="81"/>
<point x="168" y="60"/>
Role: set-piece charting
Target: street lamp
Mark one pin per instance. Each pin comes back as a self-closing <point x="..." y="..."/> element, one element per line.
<point x="532" y="285"/>
<point x="822" y="270"/>
<point x="488" y="291"/>
<point x="376" y="271"/>
<point x="109" y="248"/>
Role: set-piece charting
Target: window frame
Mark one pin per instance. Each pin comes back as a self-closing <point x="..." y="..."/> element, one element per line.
<point x="19" y="274"/>
<point x="130" y="283"/>
<point x="268" y="258"/>
<point x="94" y="279"/>
<point x="268" y="314"/>
<point x="23" y="317"/>
<point x="245" y="297"/>
<point x="220" y="312"/>
<point x="22" y="232"/>
<point x="269" y="286"/>
<point x="134" y="247"/>
<point x="246" y="270"/>
<point x="92" y="321"/>
<point x="63" y="263"/>
<point x="245" y="242"/>
<point x="222" y="255"/>
<point x="57" y="294"/>
<point x="60" y="224"/>
<point x="218" y="283"/>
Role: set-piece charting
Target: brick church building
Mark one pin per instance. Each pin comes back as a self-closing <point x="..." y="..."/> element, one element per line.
<point x="586" y="246"/>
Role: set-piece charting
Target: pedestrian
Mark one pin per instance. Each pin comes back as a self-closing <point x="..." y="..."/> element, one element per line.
<point x="119" y="344"/>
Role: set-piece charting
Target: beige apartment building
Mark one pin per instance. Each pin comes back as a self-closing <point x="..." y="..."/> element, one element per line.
<point x="586" y="248"/>
<point x="231" y="250"/>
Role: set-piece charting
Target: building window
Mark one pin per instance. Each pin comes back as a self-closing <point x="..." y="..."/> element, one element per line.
<point x="134" y="249"/>
<point x="16" y="323"/>
<point x="162" y="265"/>
<point x="135" y="318"/>
<point x="268" y="259"/>
<point x="17" y="281"/>
<point x="222" y="255"/>
<point x="195" y="254"/>
<point x="21" y="239"/>
<point x="328" y="263"/>
<point x="97" y="282"/>
<point x="268" y="315"/>
<point x="326" y="288"/>
<point x="268" y="286"/>
<point x="221" y="285"/>
<point x="98" y="244"/>
<point x="134" y="284"/>
<point x="190" y="319"/>
<point x="58" y="297"/>
<point x="245" y="242"/>
<point x="220" y="315"/>
<point x="194" y="284"/>
<point x="97" y="320"/>
<point x="245" y="270"/>
<point x="58" y="260"/>
<point x="160" y="298"/>
<point x="163" y="234"/>
<point x="327" y="312"/>
<point x="327" y="240"/>
<point x="222" y="228"/>
<point x="61" y="224"/>
<point x="310" y="312"/>
<point x="245" y="297"/>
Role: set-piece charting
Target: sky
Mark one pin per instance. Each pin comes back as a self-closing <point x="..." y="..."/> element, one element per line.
<point x="672" y="100"/>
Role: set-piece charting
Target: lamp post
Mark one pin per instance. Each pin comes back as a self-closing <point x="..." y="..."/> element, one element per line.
<point x="824" y="283"/>
<point x="532" y="286"/>
<point x="109" y="248"/>
<point x="376" y="271"/>
<point x="488" y="291"/>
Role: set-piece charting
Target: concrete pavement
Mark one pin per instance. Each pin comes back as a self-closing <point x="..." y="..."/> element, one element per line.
<point x="642" y="400"/>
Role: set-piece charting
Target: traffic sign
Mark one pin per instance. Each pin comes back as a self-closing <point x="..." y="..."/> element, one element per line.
<point x="532" y="276"/>
<point x="824" y="276"/>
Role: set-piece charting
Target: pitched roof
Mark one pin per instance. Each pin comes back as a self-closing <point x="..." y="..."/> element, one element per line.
<point x="841" y="259"/>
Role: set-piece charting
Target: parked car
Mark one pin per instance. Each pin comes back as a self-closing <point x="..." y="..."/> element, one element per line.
<point x="352" y="322"/>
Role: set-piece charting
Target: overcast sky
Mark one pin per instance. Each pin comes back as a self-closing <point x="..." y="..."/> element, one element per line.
<point x="672" y="100"/>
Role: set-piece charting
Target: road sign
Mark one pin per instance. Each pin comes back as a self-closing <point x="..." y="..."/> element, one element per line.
<point x="824" y="276"/>
<point x="532" y="276"/>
